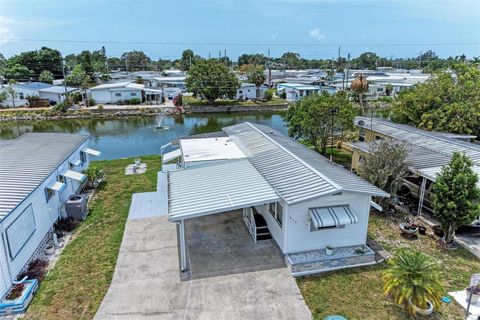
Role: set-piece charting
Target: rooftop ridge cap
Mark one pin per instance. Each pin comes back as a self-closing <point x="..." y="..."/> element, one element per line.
<point x="321" y="175"/>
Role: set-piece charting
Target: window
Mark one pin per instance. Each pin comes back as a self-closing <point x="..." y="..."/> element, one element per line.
<point x="133" y="94"/>
<point x="379" y="89"/>
<point x="83" y="157"/>
<point x="118" y="94"/>
<point x="61" y="179"/>
<point x="20" y="95"/>
<point x="49" y="193"/>
<point x="276" y="210"/>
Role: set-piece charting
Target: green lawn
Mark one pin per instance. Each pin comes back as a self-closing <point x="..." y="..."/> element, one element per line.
<point x="76" y="286"/>
<point x="340" y="157"/>
<point x="191" y="101"/>
<point x="357" y="293"/>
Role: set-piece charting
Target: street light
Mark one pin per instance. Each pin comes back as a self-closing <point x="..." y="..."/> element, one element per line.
<point x="333" y="113"/>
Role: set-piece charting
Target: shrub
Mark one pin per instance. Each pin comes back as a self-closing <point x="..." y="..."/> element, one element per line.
<point x="37" y="269"/>
<point x="66" y="225"/>
<point x="100" y="107"/>
<point x="61" y="107"/>
<point x="15" y="292"/>
<point x="177" y="100"/>
<point x="268" y="94"/>
<point x="76" y="96"/>
<point x="413" y="276"/>
<point x="91" y="102"/>
<point x="283" y="95"/>
<point x="135" y="101"/>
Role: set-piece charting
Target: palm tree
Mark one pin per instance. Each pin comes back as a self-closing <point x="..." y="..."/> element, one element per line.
<point x="257" y="77"/>
<point x="360" y="86"/>
<point x="413" y="279"/>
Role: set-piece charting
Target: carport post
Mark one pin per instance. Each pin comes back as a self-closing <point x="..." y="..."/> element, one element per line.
<point x="422" y="196"/>
<point x="183" y="253"/>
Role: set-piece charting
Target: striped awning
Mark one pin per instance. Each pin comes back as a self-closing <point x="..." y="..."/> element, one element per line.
<point x="332" y="216"/>
<point x="74" y="175"/>
<point x="57" y="186"/>
<point x="92" y="152"/>
<point x="76" y="163"/>
<point x="171" y="155"/>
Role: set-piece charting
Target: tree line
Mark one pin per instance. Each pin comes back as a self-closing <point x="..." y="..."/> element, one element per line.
<point x="46" y="63"/>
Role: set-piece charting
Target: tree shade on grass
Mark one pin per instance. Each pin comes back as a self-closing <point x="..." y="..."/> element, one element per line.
<point x="77" y="284"/>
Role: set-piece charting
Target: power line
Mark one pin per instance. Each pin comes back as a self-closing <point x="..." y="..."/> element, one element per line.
<point x="252" y="43"/>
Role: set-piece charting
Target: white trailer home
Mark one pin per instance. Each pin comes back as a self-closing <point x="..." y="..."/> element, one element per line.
<point x="248" y="91"/>
<point x="285" y="190"/>
<point x="117" y="92"/>
<point x="38" y="173"/>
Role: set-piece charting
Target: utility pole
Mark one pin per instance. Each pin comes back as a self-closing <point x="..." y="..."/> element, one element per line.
<point x="64" y="79"/>
<point x="219" y="54"/>
<point x="269" y="70"/>
<point x="209" y="57"/>
<point x="348" y="68"/>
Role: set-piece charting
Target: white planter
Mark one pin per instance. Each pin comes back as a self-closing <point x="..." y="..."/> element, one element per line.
<point x="475" y="297"/>
<point x="49" y="249"/>
<point x="419" y="311"/>
<point x="329" y="251"/>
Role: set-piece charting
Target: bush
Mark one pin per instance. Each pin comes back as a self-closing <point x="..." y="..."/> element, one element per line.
<point x="91" y="102"/>
<point x="61" y="107"/>
<point x="76" y="96"/>
<point x="15" y="292"/>
<point x="135" y="101"/>
<point x="66" y="225"/>
<point x="268" y="94"/>
<point x="177" y="100"/>
<point x="100" y="107"/>
<point x="37" y="269"/>
<point x="283" y="95"/>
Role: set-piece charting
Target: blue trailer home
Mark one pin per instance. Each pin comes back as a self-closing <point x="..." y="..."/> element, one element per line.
<point x="38" y="173"/>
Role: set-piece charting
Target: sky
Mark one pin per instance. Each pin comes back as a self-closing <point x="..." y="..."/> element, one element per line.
<point x="313" y="28"/>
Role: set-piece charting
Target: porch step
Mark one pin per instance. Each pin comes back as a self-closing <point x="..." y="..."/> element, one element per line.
<point x="262" y="231"/>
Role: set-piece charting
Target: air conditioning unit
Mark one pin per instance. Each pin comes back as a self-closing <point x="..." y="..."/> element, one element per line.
<point x="76" y="207"/>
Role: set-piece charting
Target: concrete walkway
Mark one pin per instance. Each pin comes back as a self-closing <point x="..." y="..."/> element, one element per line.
<point x="146" y="284"/>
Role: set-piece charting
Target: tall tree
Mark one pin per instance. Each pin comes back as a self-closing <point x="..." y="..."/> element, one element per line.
<point x="256" y="76"/>
<point x="78" y="77"/>
<point x="46" y="77"/>
<point x="311" y="118"/>
<point x="135" y="60"/>
<point x="385" y="166"/>
<point x="446" y="102"/>
<point x="456" y="199"/>
<point x="360" y="86"/>
<point x="188" y="59"/>
<point x="210" y="80"/>
<point x="86" y="61"/>
<point x="16" y="72"/>
<point x="367" y="60"/>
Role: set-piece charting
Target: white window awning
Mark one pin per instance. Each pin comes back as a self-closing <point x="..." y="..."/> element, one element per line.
<point x="169" y="156"/>
<point x="92" y="152"/>
<point x="57" y="186"/>
<point x="333" y="216"/>
<point x="216" y="188"/>
<point x="74" y="175"/>
<point x="76" y="163"/>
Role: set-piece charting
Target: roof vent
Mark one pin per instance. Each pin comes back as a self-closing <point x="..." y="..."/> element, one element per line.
<point x="271" y="132"/>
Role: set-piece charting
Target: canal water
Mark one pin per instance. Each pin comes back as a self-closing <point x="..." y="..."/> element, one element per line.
<point x="137" y="136"/>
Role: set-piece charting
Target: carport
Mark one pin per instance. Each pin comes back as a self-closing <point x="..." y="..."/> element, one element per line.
<point x="213" y="189"/>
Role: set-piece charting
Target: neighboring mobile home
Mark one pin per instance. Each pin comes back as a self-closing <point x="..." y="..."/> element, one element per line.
<point x="248" y="91"/>
<point x="54" y="94"/>
<point x="296" y="91"/>
<point x="38" y="173"/>
<point x="117" y="92"/>
<point x="306" y="202"/>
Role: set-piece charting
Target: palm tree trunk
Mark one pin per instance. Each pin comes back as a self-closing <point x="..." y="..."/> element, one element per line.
<point x="257" y="93"/>
<point x="360" y="97"/>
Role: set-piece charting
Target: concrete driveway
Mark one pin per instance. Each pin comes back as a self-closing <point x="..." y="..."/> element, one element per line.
<point x="147" y="284"/>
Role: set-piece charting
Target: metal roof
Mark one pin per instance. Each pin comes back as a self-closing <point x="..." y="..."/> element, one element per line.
<point x="295" y="171"/>
<point x="35" y="86"/>
<point x="429" y="140"/>
<point x="432" y="173"/>
<point x="57" y="89"/>
<point x="418" y="157"/>
<point x="25" y="162"/>
<point x="119" y="85"/>
<point x="216" y="188"/>
<point x="208" y="149"/>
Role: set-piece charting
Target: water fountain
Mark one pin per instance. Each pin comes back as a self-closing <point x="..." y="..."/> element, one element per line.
<point x="160" y="117"/>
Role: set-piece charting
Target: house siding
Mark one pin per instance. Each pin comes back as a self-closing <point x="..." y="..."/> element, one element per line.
<point x="300" y="238"/>
<point x="45" y="214"/>
<point x="275" y="229"/>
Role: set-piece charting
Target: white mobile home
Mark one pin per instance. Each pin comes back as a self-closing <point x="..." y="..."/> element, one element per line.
<point x="171" y="86"/>
<point x="296" y="91"/>
<point x="248" y="91"/>
<point x="42" y="90"/>
<point x="306" y="203"/>
<point x="38" y="173"/>
<point x="117" y="92"/>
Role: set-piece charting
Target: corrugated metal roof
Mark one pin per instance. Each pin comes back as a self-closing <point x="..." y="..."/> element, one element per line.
<point x="418" y="157"/>
<point x="216" y="188"/>
<point x="295" y="171"/>
<point x="428" y="140"/>
<point x="432" y="173"/>
<point x="25" y="162"/>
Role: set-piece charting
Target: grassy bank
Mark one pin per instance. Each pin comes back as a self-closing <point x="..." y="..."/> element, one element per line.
<point x="75" y="288"/>
<point x="191" y="101"/>
<point x="358" y="293"/>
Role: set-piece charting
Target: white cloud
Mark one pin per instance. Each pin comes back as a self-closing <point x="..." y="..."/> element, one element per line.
<point x="6" y="32"/>
<point x="315" y="34"/>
